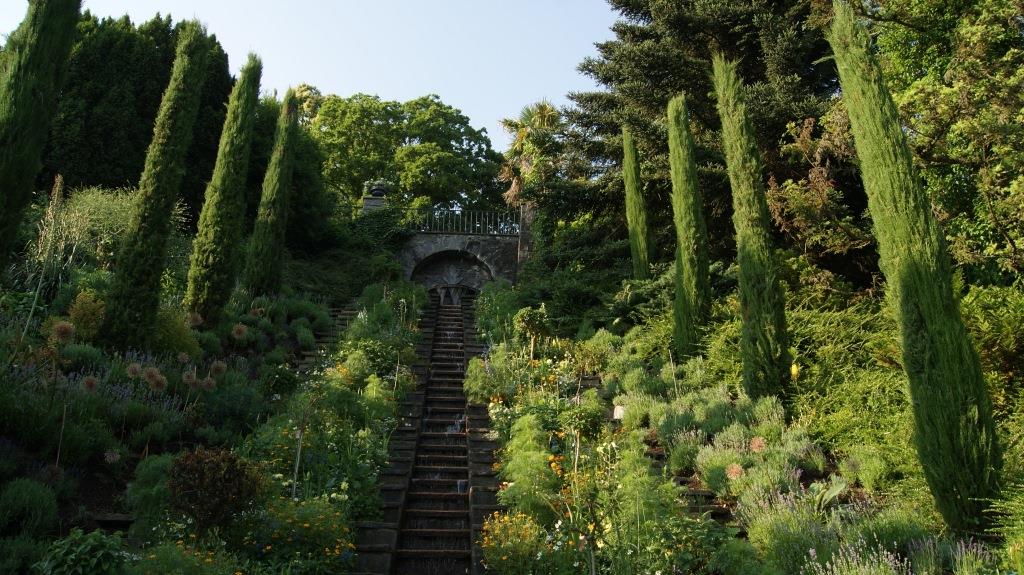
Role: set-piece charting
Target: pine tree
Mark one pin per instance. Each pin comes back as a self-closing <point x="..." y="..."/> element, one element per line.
<point x="266" y="252"/>
<point x="134" y="296"/>
<point x="215" y="252"/>
<point x="636" y="213"/>
<point x="693" y="289"/>
<point x="954" y="431"/>
<point x="30" y="77"/>
<point x="764" y="340"/>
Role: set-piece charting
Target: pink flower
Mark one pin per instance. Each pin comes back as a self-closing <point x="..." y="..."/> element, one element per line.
<point x="218" y="368"/>
<point x="734" y="471"/>
<point x="112" y="456"/>
<point x="758" y="444"/>
<point x="133" y="370"/>
<point x="155" y="379"/>
<point x="63" y="331"/>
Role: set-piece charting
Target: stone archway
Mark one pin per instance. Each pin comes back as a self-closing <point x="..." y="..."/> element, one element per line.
<point x="451" y="268"/>
<point x="459" y="259"/>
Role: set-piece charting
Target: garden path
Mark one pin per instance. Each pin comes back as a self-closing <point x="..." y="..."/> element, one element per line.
<point x="439" y="485"/>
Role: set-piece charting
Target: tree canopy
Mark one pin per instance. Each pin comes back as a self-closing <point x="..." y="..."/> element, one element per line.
<point x="424" y="147"/>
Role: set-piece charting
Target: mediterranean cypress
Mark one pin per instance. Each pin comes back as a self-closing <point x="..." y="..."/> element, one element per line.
<point x="764" y="342"/>
<point x="953" y="428"/>
<point x="693" y="287"/>
<point x="30" y="77"/>
<point x="636" y="213"/>
<point x="134" y="296"/>
<point x="213" y="269"/>
<point x="266" y="253"/>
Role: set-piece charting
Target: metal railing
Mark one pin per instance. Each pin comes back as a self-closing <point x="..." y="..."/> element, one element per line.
<point x="432" y="221"/>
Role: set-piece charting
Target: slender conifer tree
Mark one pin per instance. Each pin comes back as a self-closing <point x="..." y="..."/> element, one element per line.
<point x="764" y="341"/>
<point x="636" y="212"/>
<point x="30" y="76"/>
<point x="214" y="267"/>
<point x="693" y="288"/>
<point x="954" y="430"/>
<point x="134" y="296"/>
<point x="266" y="250"/>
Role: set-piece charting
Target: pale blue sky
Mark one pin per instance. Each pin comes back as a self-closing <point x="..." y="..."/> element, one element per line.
<point x="488" y="58"/>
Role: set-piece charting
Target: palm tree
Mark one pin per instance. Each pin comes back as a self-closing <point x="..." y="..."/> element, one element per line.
<point x="526" y="157"/>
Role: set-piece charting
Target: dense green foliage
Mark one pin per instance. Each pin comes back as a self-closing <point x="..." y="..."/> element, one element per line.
<point x="135" y="291"/>
<point x="424" y="147"/>
<point x="954" y="431"/>
<point x="116" y="77"/>
<point x="266" y="249"/>
<point x="31" y="76"/>
<point x="636" y="211"/>
<point x="692" y="284"/>
<point x="215" y="251"/>
<point x="764" y="345"/>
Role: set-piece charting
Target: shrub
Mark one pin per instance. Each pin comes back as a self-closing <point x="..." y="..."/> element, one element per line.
<point x="865" y="465"/>
<point x="587" y="417"/>
<point x="305" y="338"/>
<point x="787" y="530"/>
<point x="895" y="530"/>
<point x="859" y="558"/>
<point x="212" y="485"/>
<point x="149" y="495"/>
<point x="719" y="467"/>
<point x="480" y="387"/>
<point x="1009" y="523"/>
<point x="532" y="483"/>
<point x="310" y="534"/>
<point x="27" y="508"/>
<point x="682" y="456"/>
<point x="18" y="554"/>
<point x="172" y="333"/>
<point x="87" y="313"/>
<point x="79" y="553"/>
<point x="82" y="357"/>
<point x="736" y="437"/>
<point x="513" y="543"/>
<point x="593" y="354"/>
<point x="738" y="557"/>
<point x="173" y="559"/>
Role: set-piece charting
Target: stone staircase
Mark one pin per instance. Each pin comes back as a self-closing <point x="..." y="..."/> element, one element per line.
<point x="439" y="485"/>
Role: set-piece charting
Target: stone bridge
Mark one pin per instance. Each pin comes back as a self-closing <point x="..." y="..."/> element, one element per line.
<point x="454" y="252"/>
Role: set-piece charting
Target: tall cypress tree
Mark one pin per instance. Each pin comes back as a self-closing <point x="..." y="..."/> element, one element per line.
<point x="213" y="270"/>
<point x="636" y="213"/>
<point x="30" y="77"/>
<point x="693" y="287"/>
<point x="764" y="340"/>
<point x="135" y="292"/>
<point x="954" y="431"/>
<point x="266" y="250"/>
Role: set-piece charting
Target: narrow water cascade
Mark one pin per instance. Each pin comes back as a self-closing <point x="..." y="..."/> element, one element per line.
<point x="439" y="485"/>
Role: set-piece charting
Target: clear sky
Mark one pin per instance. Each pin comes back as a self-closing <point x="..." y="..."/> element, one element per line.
<point x="488" y="58"/>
